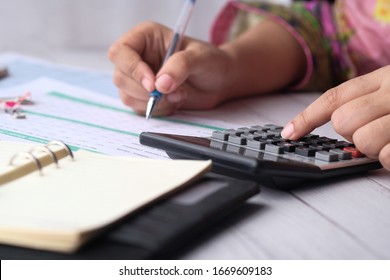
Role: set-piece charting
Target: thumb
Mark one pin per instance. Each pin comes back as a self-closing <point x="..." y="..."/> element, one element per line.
<point x="175" y="71"/>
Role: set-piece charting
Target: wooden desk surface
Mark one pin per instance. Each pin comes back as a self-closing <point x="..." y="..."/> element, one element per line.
<point x="346" y="218"/>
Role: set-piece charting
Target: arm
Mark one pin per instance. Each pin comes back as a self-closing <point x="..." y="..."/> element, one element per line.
<point x="264" y="58"/>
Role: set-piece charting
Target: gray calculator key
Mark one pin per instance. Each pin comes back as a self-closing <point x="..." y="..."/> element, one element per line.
<point x="274" y="149"/>
<point x="273" y="126"/>
<point x="265" y="135"/>
<point x="260" y="128"/>
<point x="326" y="156"/>
<point x="341" y="154"/>
<point x="235" y="139"/>
<point x="256" y="144"/>
<point x="220" y="135"/>
<point x="306" y="152"/>
<point x="250" y="136"/>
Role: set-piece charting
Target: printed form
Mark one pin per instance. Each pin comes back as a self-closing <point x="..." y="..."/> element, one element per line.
<point x="85" y="119"/>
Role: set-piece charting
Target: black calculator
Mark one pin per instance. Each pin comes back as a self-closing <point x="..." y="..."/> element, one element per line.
<point x="259" y="153"/>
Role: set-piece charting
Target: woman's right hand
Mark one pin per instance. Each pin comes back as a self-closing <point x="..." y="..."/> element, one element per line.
<point x="199" y="76"/>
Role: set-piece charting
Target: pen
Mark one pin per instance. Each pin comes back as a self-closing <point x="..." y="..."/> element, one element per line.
<point x="174" y="45"/>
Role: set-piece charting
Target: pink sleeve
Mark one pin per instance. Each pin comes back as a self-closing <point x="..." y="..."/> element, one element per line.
<point x="236" y="17"/>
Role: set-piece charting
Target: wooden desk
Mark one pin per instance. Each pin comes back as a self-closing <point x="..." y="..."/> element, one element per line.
<point x="332" y="219"/>
<point x="347" y="218"/>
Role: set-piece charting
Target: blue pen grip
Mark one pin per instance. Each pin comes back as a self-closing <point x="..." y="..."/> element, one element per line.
<point x="156" y="94"/>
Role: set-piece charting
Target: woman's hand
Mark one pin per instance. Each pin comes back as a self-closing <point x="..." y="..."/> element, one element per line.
<point x="359" y="110"/>
<point x="196" y="77"/>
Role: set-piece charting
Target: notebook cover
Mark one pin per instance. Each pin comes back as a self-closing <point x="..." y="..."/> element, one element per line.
<point x="160" y="230"/>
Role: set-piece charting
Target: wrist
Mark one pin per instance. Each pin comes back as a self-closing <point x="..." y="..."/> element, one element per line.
<point x="230" y="72"/>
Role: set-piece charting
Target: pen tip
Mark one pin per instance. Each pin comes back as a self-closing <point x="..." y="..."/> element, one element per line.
<point x="150" y="107"/>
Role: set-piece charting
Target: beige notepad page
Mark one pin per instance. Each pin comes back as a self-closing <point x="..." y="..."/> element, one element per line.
<point x="62" y="208"/>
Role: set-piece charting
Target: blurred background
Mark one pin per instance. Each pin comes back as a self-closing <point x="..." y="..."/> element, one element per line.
<point x="79" y="32"/>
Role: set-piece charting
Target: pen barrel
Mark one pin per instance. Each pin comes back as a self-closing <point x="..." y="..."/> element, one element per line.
<point x="181" y="26"/>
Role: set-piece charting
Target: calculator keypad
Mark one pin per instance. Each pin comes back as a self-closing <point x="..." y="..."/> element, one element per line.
<point x="265" y="141"/>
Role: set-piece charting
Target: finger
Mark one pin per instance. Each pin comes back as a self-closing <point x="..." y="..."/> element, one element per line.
<point x="370" y="107"/>
<point x="132" y="66"/>
<point x="175" y="71"/>
<point x="126" y="55"/>
<point x="320" y="111"/>
<point x="384" y="156"/>
<point x="373" y="137"/>
<point x="134" y="95"/>
<point x="129" y="86"/>
<point x="163" y="108"/>
<point x="137" y="105"/>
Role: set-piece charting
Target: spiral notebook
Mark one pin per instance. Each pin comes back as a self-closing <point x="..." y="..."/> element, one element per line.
<point x="51" y="201"/>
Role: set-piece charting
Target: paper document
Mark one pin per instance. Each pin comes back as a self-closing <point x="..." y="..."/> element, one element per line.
<point x="85" y="119"/>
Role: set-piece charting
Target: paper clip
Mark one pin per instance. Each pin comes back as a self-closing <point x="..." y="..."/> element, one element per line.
<point x="12" y="106"/>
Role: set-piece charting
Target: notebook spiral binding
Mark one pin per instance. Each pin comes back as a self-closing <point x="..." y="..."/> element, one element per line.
<point x="45" y="148"/>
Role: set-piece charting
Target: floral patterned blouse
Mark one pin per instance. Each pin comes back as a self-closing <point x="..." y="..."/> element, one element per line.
<point x="341" y="39"/>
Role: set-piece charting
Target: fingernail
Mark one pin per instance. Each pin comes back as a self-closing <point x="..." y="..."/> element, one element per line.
<point x="147" y="84"/>
<point x="288" y="131"/>
<point x="164" y="83"/>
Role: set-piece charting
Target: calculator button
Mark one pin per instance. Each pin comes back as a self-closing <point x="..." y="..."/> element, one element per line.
<point x="218" y="145"/>
<point x="300" y="144"/>
<point x="319" y="147"/>
<point x="220" y="135"/>
<point x="306" y="152"/>
<point x="344" y="144"/>
<point x="265" y="135"/>
<point x="277" y="132"/>
<point x="241" y="130"/>
<point x="273" y="141"/>
<point x="235" y="149"/>
<point x="326" y="156"/>
<point x="256" y="144"/>
<point x="250" y="130"/>
<point x="274" y="149"/>
<point x="288" y="147"/>
<point x="273" y="126"/>
<point x="327" y="140"/>
<point x="250" y="136"/>
<point x="259" y="128"/>
<point x="328" y="146"/>
<point x="343" y="155"/>
<point x="355" y="152"/>
<point x="230" y="131"/>
<point x="236" y="139"/>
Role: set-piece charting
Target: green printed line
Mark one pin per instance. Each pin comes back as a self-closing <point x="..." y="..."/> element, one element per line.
<point x="89" y="102"/>
<point x="191" y="123"/>
<point x="31" y="138"/>
<point x="116" y="109"/>
<point x="82" y="123"/>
